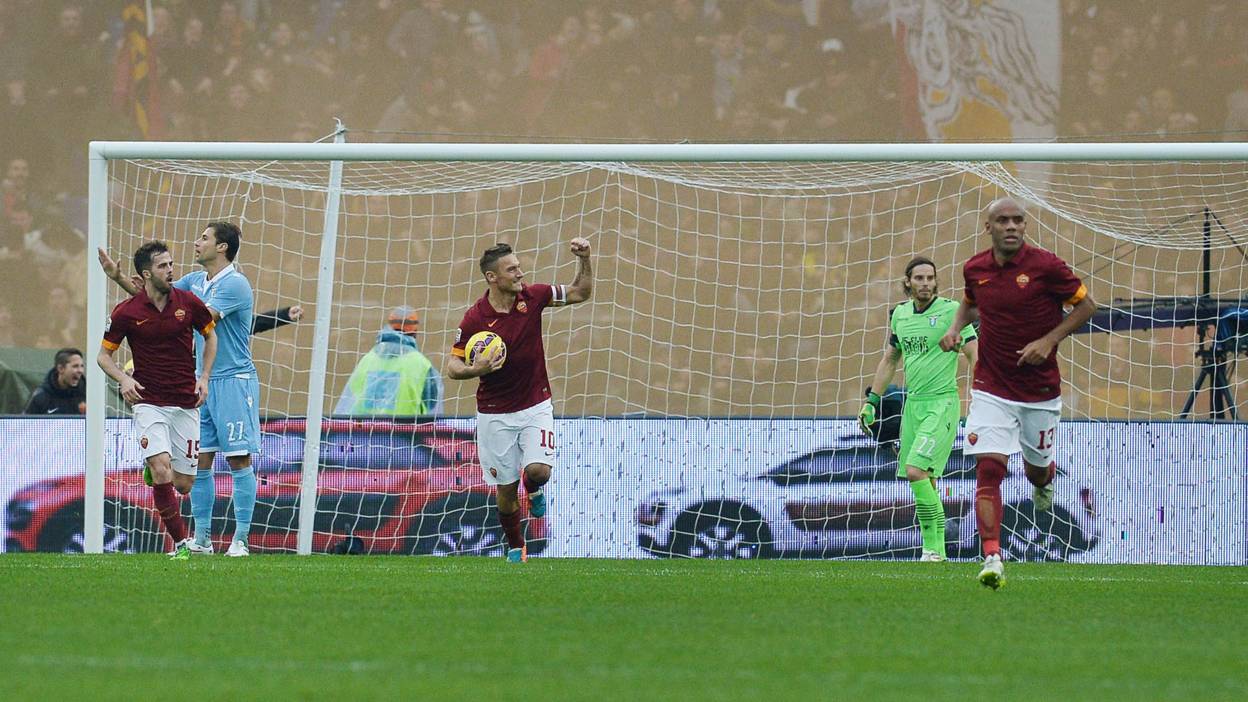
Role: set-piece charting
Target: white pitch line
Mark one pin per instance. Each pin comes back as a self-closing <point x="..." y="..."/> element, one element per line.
<point x="185" y="662"/>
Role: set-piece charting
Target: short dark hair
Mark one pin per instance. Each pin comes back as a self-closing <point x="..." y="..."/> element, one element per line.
<point x="491" y="256"/>
<point x="144" y="254"/>
<point x="227" y="233"/>
<point x="63" y="356"/>
<point x="915" y="263"/>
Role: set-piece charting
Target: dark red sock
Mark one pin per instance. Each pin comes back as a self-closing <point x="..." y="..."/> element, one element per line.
<point x="989" y="472"/>
<point x="168" y="505"/>
<point x="1048" y="477"/>
<point x="513" y="527"/>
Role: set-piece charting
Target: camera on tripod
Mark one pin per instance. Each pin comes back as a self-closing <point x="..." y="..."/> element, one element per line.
<point x="1230" y="336"/>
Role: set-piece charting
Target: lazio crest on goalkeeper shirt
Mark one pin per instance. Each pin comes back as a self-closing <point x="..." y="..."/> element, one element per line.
<point x="929" y="371"/>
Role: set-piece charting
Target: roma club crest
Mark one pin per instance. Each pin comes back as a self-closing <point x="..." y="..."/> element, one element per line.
<point x="972" y="438"/>
<point x="1022" y="280"/>
<point x="180" y="314"/>
<point x="521" y="307"/>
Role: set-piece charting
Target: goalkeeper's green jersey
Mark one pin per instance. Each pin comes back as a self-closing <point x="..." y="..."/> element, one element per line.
<point x="930" y="372"/>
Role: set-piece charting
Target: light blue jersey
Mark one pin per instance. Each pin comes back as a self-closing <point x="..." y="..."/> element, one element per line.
<point x="229" y="294"/>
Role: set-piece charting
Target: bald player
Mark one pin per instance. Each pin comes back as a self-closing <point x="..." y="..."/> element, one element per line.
<point x="1018" y="292"/>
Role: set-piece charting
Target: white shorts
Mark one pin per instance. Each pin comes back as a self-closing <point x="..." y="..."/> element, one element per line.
<point x="995" y="425"/>
<point x="171" y="430"/>
<point x="506" y="443"/>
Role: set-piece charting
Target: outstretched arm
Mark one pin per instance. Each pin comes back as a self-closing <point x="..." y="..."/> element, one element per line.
<point x="583" y="285"/>
<point x="268" y="321"/>
<point x="113" y="270"/>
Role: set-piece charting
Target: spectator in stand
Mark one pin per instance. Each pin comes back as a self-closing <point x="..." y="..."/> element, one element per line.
<point x="548" y="65"/>
<point x="23" y="131"/>
<point x="233" y="31"/>
<point x="69" y="83"/>
<point x="49" y="243"/>
<point x="65" y="318"/>
<point x="189" y="66"/>
<point x="15" y="190"/>
<point x="14" y="53"/>
<point x="727" y="54"/>
<point x="64" y="390"/>
<point x="8" y="330"/>
<point x="1236" y="126"/>
<point x="69" y="66"/>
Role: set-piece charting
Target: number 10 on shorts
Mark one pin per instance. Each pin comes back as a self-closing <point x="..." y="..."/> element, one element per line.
<point x="547" y="439"/>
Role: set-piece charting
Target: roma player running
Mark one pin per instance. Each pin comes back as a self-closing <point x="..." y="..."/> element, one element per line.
<point x="1018" y="291"/>
<point x="230" y="420"/>
<point x="157" y="322"/>
<point x="515" y="418"/>
<point x="929" y="422"/>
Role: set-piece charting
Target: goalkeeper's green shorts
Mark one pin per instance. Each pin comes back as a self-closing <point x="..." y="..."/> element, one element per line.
<point x="928" y="428"/>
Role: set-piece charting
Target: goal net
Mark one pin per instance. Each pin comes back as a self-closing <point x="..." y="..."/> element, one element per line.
<point x="705" y="394"/>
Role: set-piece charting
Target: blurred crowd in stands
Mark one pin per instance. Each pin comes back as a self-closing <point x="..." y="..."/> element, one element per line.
<point x="667" y="70"/>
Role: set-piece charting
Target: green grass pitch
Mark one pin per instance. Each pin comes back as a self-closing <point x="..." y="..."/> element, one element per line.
<point x="334" y="627"/>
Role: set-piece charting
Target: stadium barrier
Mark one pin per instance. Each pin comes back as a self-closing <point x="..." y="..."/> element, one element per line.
<point x="1130" y="492"/>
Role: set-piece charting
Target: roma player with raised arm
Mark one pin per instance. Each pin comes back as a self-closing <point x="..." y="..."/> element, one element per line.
<point x="515" y="418"/>
<point x="158" y="323"/>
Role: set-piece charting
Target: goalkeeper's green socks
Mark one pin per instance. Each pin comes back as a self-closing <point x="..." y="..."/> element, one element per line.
<point x="931" y="513"/>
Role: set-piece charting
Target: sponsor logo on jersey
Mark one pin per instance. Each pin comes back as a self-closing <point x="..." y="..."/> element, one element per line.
<point x="1022" y="280"/>
<point x="179" y="314"/>
<point x="459" y="334"/>
<point x="141" y="322"/>
<point x="521" y="307"/>
<point x="982" y="281"/>
<point x="491" y="323"/>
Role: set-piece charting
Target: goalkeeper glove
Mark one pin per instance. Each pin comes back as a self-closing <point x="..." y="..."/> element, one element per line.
<point x="869" y="413"/>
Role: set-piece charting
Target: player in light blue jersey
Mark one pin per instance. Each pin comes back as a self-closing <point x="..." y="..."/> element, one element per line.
<point x="230" y="421"/>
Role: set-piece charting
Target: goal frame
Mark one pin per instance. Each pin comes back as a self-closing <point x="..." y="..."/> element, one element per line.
<point x="338" y="152"/>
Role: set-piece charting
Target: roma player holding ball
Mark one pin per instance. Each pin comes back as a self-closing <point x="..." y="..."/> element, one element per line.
<point x="515" y="418"/>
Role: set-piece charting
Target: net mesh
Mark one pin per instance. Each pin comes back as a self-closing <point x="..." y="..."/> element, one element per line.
<point x="753" y="291"/>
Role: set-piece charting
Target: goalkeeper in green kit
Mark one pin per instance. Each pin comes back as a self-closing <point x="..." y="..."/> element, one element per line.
<point x="929" y="422"/>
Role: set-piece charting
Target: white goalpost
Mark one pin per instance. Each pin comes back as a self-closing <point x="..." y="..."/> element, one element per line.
<point x="706" y="392"/>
